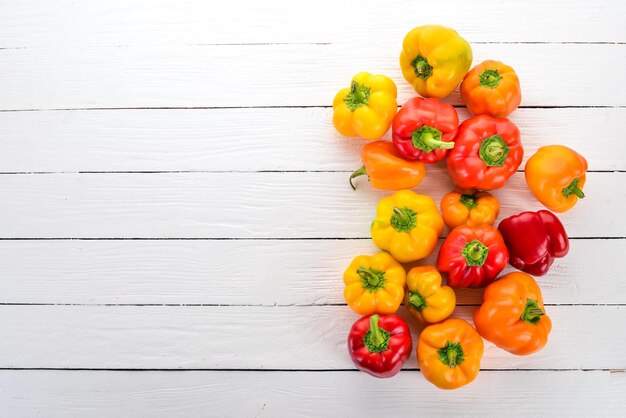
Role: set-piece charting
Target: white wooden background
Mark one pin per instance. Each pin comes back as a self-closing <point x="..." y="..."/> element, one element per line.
<point x="175" y="216"/>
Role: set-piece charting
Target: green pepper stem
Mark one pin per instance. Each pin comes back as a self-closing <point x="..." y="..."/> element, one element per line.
<point x="532" y="312"/>
<point x="421" y="67"/>
<point x="469" y="200"/>
<point x="493" y="151"/>
<point x="359" y="172"/>
<point x="376" y="339"/>
<point x="371" y="279"/>
<point x="490" y="78"/>
<point x="451" y="354"/>
<point x="417" y="301"/>
<point x="475" y="253"/>
<point x="572" y="188"/>
<point x="427" y="138"/>
<point x="358" y="96"/>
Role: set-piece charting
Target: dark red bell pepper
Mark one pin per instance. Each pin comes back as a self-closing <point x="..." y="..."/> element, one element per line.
<point x="473" y="256"/>
<point x="534" y="240"/>
<point x="380" y="344"/>
<point x="423" y="129"/>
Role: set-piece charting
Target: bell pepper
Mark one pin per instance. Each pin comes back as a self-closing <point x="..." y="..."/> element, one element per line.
<point x="407" y="225"/>
<point x="374" y="284"/>
<point x="434" y="60"/>
<point x="473" y="256"/>
<point x="367" y="107"/>
<point x="469" y="207"/>
<point x="449" y="353"/>
<point x="379" y="345"/>
<point x="556" y="176"/>
<point x="386" y="169"/>
<point x="512" y="315"/>
<point x="426" y="299"/>
<point x="486" y="153"/>
<point x="534" y="240"/>
<point x="491" y="88"/>
<point x="423" y="129"/>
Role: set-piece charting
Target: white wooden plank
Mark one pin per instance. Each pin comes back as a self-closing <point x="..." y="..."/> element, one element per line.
<point x="246" y="205"/>
<point x="119" y="22"/>
<point x="249" y="272"/>
<point x="253" y="139"/>
<point x="237" y="394"/>
<point x="282" y="75"/>
<point x="252" y="337"/>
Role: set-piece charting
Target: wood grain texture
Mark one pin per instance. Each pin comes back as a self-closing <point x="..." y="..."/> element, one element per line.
<point x="302" y="394"/>
<point x="253" y="139"/>
<point x="140" y="22"/>
<point x="253" y="337"/>
<point x="249" y="205"/>
<point x="250" y="272"/>
<point x="282" y="75"/>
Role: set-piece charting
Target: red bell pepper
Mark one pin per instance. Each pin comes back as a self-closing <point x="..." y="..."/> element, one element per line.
<point x="380" y="344"/>
<point x="423" y="129"/>
<point x="534" y="240"/>
<point x="487" y="152"/>
<point x="472" y="256"/>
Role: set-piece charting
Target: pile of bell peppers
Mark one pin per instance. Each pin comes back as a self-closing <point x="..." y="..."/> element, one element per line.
<point x="481" y="154"/>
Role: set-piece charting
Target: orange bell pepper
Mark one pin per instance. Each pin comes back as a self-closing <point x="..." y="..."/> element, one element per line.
<point x="449" y="353"/>
<point x="491" y="88"/>
<point x="386" y="169"/>
<point x="512" y="315"/>
<point x="374" y="284"/>
<point x="467" y="207"/>
<point x="556" y="175"/>
<point x="426" y="299"/>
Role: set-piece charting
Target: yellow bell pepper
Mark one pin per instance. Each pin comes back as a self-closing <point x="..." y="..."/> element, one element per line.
<point x="407" y="225"/>
<point x="374" y="284"/>
<point x="367" y="107"/>
<point x="434" y="60"/>
<point x="425" y="298"/>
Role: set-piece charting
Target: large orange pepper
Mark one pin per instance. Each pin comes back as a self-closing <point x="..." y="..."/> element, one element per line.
<point x="469" y="207"/>
<point x="491" y="88"/>
<point x="512" y="315"/>
<point x="556" y="175"/>
<point x="449" y="353"/>
<point x="374" y="284"/>
<point x="426" y="299"/>
<point x="386" y="169"/>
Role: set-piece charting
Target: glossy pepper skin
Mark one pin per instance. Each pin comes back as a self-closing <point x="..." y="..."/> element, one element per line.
<point x="367" y="107"/>
<point x="379" y="345"/>
<point x="386" y="169"/>
<point x="426" y="299"/>
<point x="424" y="129"/>
<point x="407" y="225"/>
<point x="512" y="315"/>
<point x="534" y="240"/>
<point x="472" y="256"/>
<point x="469" y="207"/>
<point x="449" y="353"/>
<point x="434" y="60"/>
<point x="556" y="176"/>
<point x="491" y="88"/>
<point x="374" y="284"/>
<point x="486" y="153"/>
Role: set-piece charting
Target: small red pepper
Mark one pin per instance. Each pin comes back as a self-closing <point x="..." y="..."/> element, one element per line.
<point x="423" y="129"/>
<point x="380" y="344"/>
<point x="487" y="152"/>
<point x="472" y="256"/>
<point x="534" y="240"/>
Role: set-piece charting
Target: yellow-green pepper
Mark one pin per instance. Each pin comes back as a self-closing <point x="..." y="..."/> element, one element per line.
<point x="434" y="60"/>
